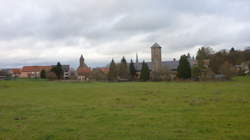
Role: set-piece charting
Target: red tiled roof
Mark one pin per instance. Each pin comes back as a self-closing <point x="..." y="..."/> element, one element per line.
<point x="83" y="70"/>
<point x="16" y="71"/>
<point x="105" y="70"/>
<point x="35" y="68"/>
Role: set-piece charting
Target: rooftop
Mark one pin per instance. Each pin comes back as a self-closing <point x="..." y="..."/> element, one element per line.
<point x="156" y="45"/>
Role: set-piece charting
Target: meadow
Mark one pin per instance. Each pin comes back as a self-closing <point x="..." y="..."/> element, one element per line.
<point x="44" y="110"/>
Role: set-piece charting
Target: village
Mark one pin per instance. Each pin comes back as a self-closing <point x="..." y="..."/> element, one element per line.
<point x="198" y="68"/>
<point x="124" y="70"/>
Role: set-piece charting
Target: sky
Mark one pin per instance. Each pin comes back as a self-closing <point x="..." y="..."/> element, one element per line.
<point x="43" y="32"/>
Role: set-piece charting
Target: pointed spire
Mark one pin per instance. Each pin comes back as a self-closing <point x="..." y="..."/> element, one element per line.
<point x="81" y="57"/>
<point x="137" y="60"/>
<point x="82" y="64"/>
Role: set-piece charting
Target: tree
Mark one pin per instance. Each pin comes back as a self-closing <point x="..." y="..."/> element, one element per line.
<point x="196" y="72"/>
<point x="227" y="70"/>
<point x="123" y="69"/>
<point x="217" y="60"/>
<point x="132" y="71"/>
<point x="184" y="68"/>
<point x="249" y="67"/>
<point x="112" y="75"/>
<point x="145" y="73"/>
<point x="58" y="70"/>
<point x="43" y="74"/>
<point x="98" y="75"/>
<point x="232" y="50"/>
<point x="204" y="53"/>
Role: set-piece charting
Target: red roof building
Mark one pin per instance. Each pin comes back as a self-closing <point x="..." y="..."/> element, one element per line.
<point x="35" y="68"/>
<point x="33" y="71"/>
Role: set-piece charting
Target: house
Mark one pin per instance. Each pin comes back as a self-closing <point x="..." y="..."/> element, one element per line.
<point x="33" y="71"/>
<point x="15" y="72"/>
<point x="66" y="71"/>
<point x="245" y="67"/>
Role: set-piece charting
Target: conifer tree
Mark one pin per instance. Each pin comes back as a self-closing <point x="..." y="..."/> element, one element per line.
<point x="204" y="53"/>
<point x="123" y="69"/>
<point x="145" y="74"/>
<point x="58" y="70"/>
<point x="112" y="75"/>
<point x="184" y="68"/>
<point x="132" y="71"/>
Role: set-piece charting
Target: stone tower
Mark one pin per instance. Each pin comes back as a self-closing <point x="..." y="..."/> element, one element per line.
<point x="156" y="57"/>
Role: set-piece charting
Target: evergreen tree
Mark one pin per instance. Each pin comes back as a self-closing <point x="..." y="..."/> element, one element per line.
<point x="184" y="68"/>
<point x="43" y="74"/>
<point x="204" y="53"/>
<point x="145" y="74"/>
<point x="58" y="70"/>
<point x="112" y="75"/>
<point x="132" y="71"/>
<point x="196" y="72"/>
<point x="123" y="70"/>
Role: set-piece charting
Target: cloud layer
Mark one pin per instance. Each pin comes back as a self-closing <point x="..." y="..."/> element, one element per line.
<point x="47" y="31"/>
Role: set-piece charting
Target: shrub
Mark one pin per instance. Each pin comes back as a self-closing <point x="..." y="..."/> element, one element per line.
<point x="51" y="76"/>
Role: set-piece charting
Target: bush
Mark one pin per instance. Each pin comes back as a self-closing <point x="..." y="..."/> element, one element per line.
<point x="227" y="70"/>
<point x="51" y="76"/>
<point x="163" y="75"/>
<point x="43" y="74"/>
<point x="98" y="75"/>
<point x="196" y="73"/>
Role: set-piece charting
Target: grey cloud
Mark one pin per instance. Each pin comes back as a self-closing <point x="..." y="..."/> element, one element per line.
<point x="111" y="28"/>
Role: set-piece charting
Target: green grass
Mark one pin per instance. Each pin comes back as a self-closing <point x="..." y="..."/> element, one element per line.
<point x="42" y="110"/>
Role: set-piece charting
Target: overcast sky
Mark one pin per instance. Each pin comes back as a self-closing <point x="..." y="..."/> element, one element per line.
<point x="41" y="32"/>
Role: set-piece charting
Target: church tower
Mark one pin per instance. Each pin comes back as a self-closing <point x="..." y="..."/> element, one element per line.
<point x="83" y="70"/>
<point x="82" y="63"/>
<point x="156" y="57"/>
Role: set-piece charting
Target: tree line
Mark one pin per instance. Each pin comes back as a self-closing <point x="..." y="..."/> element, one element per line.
<point x="208" y="64"/>
<point x="125" y="72"/>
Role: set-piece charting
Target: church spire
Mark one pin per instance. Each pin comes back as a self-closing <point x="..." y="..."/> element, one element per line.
<point x="137" y="60"/>
<point x="81" y="61"/>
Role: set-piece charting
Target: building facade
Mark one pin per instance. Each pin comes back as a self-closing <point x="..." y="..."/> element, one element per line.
<point x="33" y="71"/>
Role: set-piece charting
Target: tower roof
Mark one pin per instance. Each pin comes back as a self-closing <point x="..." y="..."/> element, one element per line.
<point x="156" y="45"/>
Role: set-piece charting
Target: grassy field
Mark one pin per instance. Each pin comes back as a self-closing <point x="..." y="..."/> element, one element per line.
<point x="42" y="110"/>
